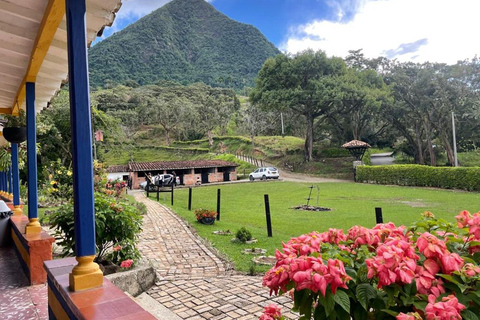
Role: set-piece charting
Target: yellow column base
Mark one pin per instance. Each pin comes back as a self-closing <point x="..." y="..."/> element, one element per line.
<point x="10" y="196"/>
<point x="17" y="211"/>
<point x="33" y="227"/>
<point x="85" y="275"/>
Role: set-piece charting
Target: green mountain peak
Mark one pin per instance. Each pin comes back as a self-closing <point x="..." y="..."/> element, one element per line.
<point x="185" y="41"/>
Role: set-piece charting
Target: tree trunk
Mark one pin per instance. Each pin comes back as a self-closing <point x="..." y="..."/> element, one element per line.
<point x="433" y="159"/>
<point x="210" y="137"/>
<point x="419" y="146"/>
<point x="448" y="148"/>
<point x="309" y="139"/>
<point x="167" y="137"/>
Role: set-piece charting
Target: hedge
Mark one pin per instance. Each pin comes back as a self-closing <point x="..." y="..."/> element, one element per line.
<point x="422" y="176"/>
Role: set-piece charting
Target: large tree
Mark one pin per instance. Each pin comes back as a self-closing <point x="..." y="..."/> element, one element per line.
<point x="305" y="83"/>
<point x="356" y="112"/>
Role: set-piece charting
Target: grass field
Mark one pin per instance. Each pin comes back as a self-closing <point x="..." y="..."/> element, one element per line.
<point x="242" y="204"/>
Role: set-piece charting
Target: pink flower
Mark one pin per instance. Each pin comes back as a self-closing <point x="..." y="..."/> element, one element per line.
<point x="126" y="263"/>
<point x="408" y="316"/>
<point x="470" y="270"/>
<point x="426" y="281"/>
<point x="395" y="262"/>
<point x="462" y="218"/>
<point x="117" y="248"/>
<point x="337" y="276"/>
<point x="333" y="236"/>
<point x="363" y="236"/>
<point x="451" y="262"/>
<point x="474" y="225"/>
<point x="271" y="312"/>
<point x="448" y="309"/>
<point x="430" y="246"/>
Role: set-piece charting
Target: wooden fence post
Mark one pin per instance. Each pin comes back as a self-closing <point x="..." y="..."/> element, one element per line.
<point x="267" y="213"/>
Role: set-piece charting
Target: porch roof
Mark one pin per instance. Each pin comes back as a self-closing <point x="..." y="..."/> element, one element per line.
<point x="33" y="47"/>
<point x="179" y="165"/>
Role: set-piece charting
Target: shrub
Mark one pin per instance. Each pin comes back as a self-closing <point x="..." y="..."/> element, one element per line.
<point x="60" y="182"/>
<point x="116" y="187"/>
<point x="427" y="271"/>
<point x="117" y="222"/>
<point x="243" y="235"/>
<point x="422" y="176"/>
<point x="204" y="213"/>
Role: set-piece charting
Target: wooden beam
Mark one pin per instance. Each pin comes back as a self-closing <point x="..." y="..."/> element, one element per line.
<point x="48" y="27"/>
<point x="5" y="110"/>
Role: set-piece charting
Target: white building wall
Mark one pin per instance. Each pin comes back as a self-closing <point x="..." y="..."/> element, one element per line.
<point x="116" y="175"/>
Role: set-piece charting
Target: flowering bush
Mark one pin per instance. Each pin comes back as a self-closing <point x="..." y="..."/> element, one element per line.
<point x="271" y="312"/>
<point x="60" y="182"/>
<point x="428" y="271"/>
<point x="126" y="263"/>
<point x="204" y="213"/>
<point x="117" y="222"/>
<point x="116" y="187"/>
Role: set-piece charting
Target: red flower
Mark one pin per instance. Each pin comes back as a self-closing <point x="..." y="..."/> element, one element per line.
<point x="126" y="263"/>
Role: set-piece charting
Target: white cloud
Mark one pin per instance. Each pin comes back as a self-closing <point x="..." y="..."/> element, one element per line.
<point x="139" y="8"/>
<point x="410" y="30"/>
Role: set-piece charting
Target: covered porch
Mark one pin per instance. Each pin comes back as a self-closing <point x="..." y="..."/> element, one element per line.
<point x="43" y="45"/>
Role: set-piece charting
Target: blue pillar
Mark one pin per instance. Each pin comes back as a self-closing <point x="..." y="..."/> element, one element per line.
<point x="80" y="121"/>
<point x="16" y="180"/>
<point x="2" y="181"/>
<point x="31" y="152"/>
<point x="5" y="182"/>
<point x="10" y="181"/>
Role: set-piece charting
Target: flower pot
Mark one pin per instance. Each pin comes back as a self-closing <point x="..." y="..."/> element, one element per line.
<point x="15" y="134"/>
<point x="207" y="220"/>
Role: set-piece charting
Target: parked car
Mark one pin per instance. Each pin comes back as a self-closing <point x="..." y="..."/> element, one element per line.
<point x="162" y="180"/>
<point x="264" y="173"/>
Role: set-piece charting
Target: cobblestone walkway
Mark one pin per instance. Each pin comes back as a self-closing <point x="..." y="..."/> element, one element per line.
<point x="19" y="300"/>
<point x="194" y="283"/>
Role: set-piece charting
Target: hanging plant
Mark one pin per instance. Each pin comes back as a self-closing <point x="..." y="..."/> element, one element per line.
<point x="14" y="127"/>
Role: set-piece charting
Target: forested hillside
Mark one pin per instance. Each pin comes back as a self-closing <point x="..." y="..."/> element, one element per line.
<point x="186" y="41"/>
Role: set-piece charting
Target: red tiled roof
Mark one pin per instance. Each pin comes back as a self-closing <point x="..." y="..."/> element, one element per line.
<point x="177" y="165"/>
<point x="119" y="168"/>
<point x="355" y="144"/>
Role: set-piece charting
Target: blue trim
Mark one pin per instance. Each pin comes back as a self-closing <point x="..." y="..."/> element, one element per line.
<point x="23" y="264"/>
<point x="16" y="175"/>
<point x="21" y="238"/>
<point x="2" y="187"/>
<point x="24" y="243"/>
<point x="10" y="180"/>
<point x="4" y="181"/>
<point x="31" y="151"/>
<point x="81" y="126"/>
<point x="61" y="300"/>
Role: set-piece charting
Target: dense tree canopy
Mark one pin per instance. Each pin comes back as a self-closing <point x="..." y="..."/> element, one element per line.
<point x="306" y="83"/>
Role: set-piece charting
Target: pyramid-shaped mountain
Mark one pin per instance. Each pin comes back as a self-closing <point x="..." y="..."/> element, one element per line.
<point x="185" y="41"/>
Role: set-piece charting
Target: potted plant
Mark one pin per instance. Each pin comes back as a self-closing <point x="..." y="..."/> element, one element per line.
<point x="14" y="127"/>
<point x="205" y="216"/>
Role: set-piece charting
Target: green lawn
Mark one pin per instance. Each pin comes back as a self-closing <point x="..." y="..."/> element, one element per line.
<point x="243" y="205"/>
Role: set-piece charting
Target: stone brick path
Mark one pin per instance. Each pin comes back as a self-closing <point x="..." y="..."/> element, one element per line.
<point x="19" y="300"/>
<point x="193" y="282"/>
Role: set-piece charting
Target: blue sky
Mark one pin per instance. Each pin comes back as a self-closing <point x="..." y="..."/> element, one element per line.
<point x="408" y="30"/>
